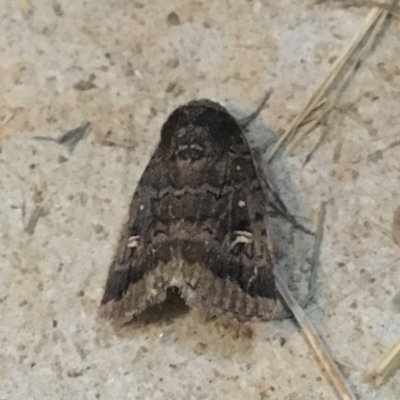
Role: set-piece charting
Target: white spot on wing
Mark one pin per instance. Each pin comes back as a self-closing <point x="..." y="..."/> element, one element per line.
<point x="241" y="203"/>
<point x="133" y="241"/>
<point x="242" y="237"/>
<point x="195" y="146"/>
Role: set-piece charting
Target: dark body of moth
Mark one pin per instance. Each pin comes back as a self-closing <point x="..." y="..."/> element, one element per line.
<point x="197" y="222"/>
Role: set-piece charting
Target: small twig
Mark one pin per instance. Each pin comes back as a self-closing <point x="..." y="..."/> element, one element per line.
<point x="318" y="347"/>
<point x="386" y="365"/>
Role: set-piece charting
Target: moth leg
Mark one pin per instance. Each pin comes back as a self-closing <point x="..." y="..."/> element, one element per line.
<point x="279" y="207"/>
<point x="276" y="204"/>
<point x="264" y="147"/>
<point x="285" y="312"/>
<point x="244" y="122"/>
<point x="283" y="212"/>
<point x="316" y="254"/>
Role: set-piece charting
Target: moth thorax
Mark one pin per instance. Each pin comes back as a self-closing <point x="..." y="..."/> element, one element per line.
<point x="193" y="143"/>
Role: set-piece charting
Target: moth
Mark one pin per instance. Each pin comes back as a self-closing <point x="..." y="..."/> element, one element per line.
<point x="197" y="222"/>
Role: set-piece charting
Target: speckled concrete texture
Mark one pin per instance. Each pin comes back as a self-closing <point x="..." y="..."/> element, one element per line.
<point x="124" y="66"/>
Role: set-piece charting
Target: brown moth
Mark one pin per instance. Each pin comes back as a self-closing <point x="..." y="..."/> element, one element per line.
<point x="197" y="222"/>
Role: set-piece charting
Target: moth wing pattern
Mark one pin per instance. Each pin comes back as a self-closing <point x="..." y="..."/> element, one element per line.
<point x="197" y="222"/>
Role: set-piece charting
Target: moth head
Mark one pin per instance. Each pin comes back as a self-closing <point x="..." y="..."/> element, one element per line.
<point x="198" y="130"/>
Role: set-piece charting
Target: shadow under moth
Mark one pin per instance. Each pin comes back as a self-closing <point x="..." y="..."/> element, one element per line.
<point x="197" y="222"/>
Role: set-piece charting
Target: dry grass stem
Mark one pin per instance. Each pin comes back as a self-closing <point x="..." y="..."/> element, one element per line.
<point x="23" y="5"/>
<point x="386" y="365"/>
<point x="323" y="100"/>
<point x="318" y="347"/>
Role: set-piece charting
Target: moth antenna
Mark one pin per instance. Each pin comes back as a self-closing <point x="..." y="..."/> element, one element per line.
<point x="245" y="122"/>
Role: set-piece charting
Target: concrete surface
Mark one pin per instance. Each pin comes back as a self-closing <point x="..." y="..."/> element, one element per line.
<point x="123" y="66"/>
